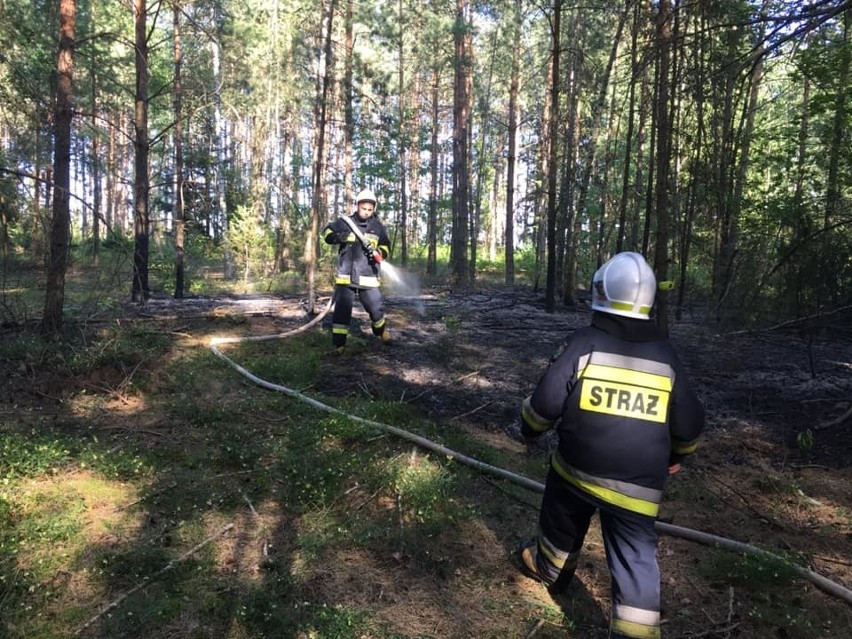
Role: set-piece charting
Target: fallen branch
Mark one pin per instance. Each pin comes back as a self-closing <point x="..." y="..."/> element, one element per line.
<point x="471" y="412"/>
<point x="837" y="420"/>
<point x="150" y="579"/>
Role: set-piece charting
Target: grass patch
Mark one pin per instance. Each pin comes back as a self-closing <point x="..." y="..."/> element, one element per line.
<point x="114" y="487"/>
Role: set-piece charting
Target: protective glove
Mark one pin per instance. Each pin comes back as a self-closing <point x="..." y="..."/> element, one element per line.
<point x="373" y="256"/>
<point x="536" y="446"/>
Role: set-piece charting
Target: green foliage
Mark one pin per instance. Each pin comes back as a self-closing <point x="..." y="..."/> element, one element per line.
<point x="805" y="440"/>
<point x="36" y="454"/>
<point x="29" y="456"/>
<point x="751" y="570"/>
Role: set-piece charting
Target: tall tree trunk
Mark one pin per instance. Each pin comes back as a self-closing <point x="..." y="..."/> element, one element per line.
<point x="551" y="127"/>
<point x="60" y="235"/>
<point x="414" y="158"/>
<point x="97" y="163"/>
<point x="699" y="164"/>
<point x="348" y="114"/>
<point x="140" y="291"/>
<point x="839" y="127"/>
<point x="664" y="48"/>
<point x="178" y="155"/>
<point x="432" y="219"/>
<point x="598" y="114"/>
<point x="483" y="153"/>
<point x="830" y="285"/>
<point x="513" y="143"/>
<point x="403" y="142"/>
<point x="628" y="135"/>
<point x="319" y="158"/>
<point x="462" y="84"/>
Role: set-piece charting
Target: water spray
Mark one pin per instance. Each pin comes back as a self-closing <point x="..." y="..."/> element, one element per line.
<point x="400" y="282"/>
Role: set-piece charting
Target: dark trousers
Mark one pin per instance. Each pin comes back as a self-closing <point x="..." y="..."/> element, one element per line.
<point x="630" y="542"/>
<point x="371" y="299"/>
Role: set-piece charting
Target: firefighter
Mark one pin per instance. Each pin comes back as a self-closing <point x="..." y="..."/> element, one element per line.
<point x="626" y="417"/>
<point x="363" y="244"/>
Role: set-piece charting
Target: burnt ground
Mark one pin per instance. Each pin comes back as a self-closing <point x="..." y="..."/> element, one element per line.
<point x="774" y="470"/>
<point x="776" y="460"/>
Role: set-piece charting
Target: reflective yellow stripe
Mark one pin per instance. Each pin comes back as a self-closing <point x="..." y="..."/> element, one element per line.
<point x="680" y="448"/>
<point x="624" y="306"/>
<point x="642" y="616"/>
<point x="532" y="419"/>
<point x="608" y="495"/>
<point x="554" y="556"/>
<point x="627" y="376"/>
<point x="368" y="282"/>
<point x="343" y="278"/>
<point x="380" y="323"/>
<point x="635" y="630"/>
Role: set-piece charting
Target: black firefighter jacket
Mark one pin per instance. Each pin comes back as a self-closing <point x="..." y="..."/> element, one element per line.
<point x="625" y="411"/>
<point x="354" y="268"/>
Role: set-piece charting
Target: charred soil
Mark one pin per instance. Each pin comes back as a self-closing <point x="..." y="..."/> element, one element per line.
<point x="773" y="471"/>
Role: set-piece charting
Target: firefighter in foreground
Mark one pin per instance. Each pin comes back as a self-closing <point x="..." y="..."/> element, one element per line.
<point x="626" y="417"/>
<point x="363" y="244"/>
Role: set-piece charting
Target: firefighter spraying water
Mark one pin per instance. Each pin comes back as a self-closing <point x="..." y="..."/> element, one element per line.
<point x="363" y="245"/>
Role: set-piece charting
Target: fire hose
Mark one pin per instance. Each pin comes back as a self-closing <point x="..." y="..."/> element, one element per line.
<point x="822" y="583"/>
<point x="369" y="250"/>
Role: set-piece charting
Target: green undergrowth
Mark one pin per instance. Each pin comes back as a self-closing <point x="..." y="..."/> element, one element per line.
<point x="112" y="501"/>
<point x="147" y="489"/>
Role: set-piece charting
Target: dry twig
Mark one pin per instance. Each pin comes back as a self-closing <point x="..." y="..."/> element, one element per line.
<point x="148" y="580"/>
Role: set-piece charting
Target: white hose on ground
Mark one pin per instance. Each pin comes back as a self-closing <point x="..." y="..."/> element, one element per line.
<point x="822" y="583"/>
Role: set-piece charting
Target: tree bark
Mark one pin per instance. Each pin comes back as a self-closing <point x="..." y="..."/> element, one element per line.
<point x="432" y="215"/>
<point x="551" y="126"/>
<point x="177" y="93"/>
<point x="140" y="291"/>
<point x="60" y="235"/>
<point x="513" y="143"/>
<point x="319" y="158"/>
<point x="462" y="84"/>
<point x="664" y="48"/>
<point x="403" y="143"/>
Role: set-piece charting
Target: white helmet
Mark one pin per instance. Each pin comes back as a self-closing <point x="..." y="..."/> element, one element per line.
<point x="624" y="285"/>
<point x="366" y="196"/>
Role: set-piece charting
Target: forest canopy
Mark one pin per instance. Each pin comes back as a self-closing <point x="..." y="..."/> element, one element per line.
<point x="532" y="141"/>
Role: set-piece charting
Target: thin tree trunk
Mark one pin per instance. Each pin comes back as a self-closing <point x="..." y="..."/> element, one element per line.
<point x="403" y="143"/>
<point x="60" y="235"/>
<point x="348" y="115"/>
<point x="140" y="291"/>
<point x="664" y="48"/>
<point x="462" y="93"/>
<point x="838" y="129"/>
<point x="589" y="162"/>
<point x="628" y="137"/>
<point x="97" y="163"/>
<point x="513" y="144"/>
<point x="319" y="157"/>
<point x="483" y="152"/>
<point x="550" y="126"/>
<point x="432" y="220"/>
<point x="178" y="155"/>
